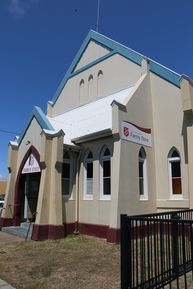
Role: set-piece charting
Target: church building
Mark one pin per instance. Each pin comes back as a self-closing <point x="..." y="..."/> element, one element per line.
<point x="117" y="138"/>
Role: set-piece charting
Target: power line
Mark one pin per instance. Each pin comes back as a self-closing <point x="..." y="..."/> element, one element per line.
<point x="9" y="132"/>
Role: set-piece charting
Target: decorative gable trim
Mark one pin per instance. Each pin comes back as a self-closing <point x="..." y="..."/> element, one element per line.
<point x="114" y="48"/>
<point x="41" y="118"/>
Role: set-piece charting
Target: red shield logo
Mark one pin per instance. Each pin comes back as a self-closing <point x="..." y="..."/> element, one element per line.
<point x="126" y="131"/>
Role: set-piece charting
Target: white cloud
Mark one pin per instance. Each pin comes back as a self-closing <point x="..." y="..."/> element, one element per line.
<point x="19" y="7"/>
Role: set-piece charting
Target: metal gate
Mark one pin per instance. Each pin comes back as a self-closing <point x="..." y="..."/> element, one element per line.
<point x="156" y="250"/>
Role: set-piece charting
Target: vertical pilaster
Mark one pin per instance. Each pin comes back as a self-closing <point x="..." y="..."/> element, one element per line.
<point x="7" y="213"/>
<point x="49" y="223"/>
<point x="190" y="163"/>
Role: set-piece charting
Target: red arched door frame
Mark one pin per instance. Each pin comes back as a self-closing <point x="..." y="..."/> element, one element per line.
<point x="18" y="190"/>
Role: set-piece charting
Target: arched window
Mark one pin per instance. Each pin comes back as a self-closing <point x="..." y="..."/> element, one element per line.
<point x="142" y="163"/>
<point x="90" y="87"/>
<point x="174" y="164"/>
<point x="82" y="91"/>
<point x="100" y="83"/>
<point x="66" y="175"/>
<point x="105" y="176"/>
<point x="88" y="179"/>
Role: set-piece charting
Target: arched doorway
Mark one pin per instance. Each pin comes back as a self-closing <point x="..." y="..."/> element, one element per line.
<point x="27" y="187"/>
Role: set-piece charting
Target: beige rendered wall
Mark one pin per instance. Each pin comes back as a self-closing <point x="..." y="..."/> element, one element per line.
<point x="68" y="203"/>
<point x="49" y="207"/>
<point x="118" y="73"/>
<point x="10" y="188"/>
<point x="139" y="112"/>
<point x="31" y="137"/>
<point x="168" y="133"/>
<point x="97" y="210"/>
<point x="92" y="53"/>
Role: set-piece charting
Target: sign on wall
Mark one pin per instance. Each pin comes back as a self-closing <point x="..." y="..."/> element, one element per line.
<point x="136" y="134"/>
<point x="31" y="165"/>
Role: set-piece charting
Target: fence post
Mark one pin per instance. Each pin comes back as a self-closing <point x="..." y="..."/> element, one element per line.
<point x="125" y="253"/>
<point x="175" y="247"/>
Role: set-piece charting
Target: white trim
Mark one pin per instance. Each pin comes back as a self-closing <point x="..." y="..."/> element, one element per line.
<point x="143" y="160"/>
<point x="170" y="161"/>
<point x="87" y="160"/>
<point x="102" y="159"/>
<point x="70" y="195"/>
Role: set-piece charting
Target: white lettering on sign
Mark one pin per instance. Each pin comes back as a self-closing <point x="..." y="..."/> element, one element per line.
<point x="136" y="134"/>
<point x="31" y="165"/>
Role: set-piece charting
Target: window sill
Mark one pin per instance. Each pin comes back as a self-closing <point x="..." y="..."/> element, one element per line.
<point x="105" y="198"/>
<point x="176" y="197"/>
<point x="144" y="199"/>
<point x="88" y="198"/>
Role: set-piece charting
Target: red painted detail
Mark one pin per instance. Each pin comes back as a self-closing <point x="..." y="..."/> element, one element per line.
<point x="146" y="130"/>
<point x="55" y="232"/>
<point x="45" y="232"/>
<point x="93" y="230"/>
<point x="6" y="222"/>
<point x="113" y="235"/>
<point x="19" y="185"/>
<point x="126" y="131"/>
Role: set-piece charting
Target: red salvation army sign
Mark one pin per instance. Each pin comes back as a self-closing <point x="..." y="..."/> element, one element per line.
<point x="136" y="134"/>
<point x="31" y="166"/>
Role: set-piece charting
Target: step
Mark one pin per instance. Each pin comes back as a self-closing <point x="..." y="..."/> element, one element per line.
<point x="18" y="231"/>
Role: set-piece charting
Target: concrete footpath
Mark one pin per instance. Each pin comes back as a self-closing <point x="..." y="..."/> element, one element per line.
<point x="5" y="285"/>
<point x="4" y="239"/>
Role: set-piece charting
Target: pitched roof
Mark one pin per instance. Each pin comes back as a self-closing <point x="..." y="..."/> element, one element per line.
<point x="115" y="48"/>
<point x="88" y="119"/>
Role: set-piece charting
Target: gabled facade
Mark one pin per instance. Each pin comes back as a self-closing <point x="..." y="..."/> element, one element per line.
<point x="116" y="138"/>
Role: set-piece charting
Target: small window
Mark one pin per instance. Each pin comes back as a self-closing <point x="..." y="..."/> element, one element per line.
<point x="90" y="87"/>
<point x="142" y="165"/>
<point x="105" y="174"/>
<point x="175" y="173"/>
<point x="100" y="83"/>
<point x="88" y="180"/>
<point x="82" y="91"/>
<point x="66" y="175"/>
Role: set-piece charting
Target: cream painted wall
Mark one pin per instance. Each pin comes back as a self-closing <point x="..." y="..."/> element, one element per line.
<point x="118" y="73"/>
<point x="92" y="53"/>
<point x="168" y="129"/>
<point x="139" y="112"/>
<point x="68" y="204"/>
<point x="96" y="211"/>
<point x="33" y="135"/>
<point x="10" y="188"/>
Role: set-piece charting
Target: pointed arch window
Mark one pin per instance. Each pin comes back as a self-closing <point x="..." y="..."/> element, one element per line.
<point x="90" y="87"/>
<point x="142" y="165"/>
<point x="105" y="175"/>
<point x="82" y="90"/>
<point x="175" y="181"/>
<point x="100" y="83"/>
<point x="66" y="175"/>
<point x="88" y="176"/>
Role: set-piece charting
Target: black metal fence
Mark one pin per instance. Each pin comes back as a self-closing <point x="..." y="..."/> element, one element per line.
<point x="156" y="250"/>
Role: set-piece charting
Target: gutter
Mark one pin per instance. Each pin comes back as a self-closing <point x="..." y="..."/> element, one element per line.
<point x="95" y="135"/>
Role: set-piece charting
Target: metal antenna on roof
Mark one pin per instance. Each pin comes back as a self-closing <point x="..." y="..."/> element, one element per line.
<point x="98" y="12"/>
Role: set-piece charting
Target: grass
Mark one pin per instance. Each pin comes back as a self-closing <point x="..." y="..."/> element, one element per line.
<point x="77" y="262"/>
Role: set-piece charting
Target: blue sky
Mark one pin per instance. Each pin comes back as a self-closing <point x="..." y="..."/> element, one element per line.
<point x="39" y="39"/>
